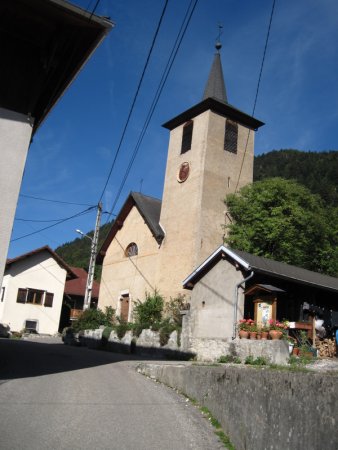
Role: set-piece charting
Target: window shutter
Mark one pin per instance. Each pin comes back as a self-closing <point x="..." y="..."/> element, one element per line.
<point x="49" y="299"/>
<point x="231" y="135"/>
<point x="21" y="298"/>
<point x="187" y="136"/>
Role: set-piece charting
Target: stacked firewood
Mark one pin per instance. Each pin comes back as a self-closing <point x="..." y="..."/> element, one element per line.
<point x="326" y="348"/>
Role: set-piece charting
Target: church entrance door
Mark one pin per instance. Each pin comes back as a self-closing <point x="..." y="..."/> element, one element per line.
<point x="124" y="308"/>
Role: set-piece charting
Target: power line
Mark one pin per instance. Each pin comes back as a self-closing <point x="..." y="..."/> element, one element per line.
<point x="160" y="87"/>
<point x="54" y="201"/>
<point x="134" y="99"/>
<point x="257" y="90"/>
<point x="38" y="221"/>
<point x="94" y="9"/>
<point x="86" y="211"/>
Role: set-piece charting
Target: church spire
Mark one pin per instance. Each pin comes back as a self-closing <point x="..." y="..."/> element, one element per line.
<point x="215" y="86"/>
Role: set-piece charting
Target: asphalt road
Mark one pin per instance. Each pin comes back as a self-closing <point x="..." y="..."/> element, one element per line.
<point x="53" y="396"/>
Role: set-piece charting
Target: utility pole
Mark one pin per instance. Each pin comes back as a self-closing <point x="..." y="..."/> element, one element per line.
<point x="93" y="253"/>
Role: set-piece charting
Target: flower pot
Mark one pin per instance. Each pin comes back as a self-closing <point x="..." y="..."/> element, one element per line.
<point x="253" y="334"/>
<point x="243" y="334"/>
<point x="265" y="334"/>
<point x="295" y="351"/>
<point x="259" y="335"/>
<point x="275" y="334"/>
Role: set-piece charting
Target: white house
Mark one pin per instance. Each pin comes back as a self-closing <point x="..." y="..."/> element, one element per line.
<point x="32" y="291"/>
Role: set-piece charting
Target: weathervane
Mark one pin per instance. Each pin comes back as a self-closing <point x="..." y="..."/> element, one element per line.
<point x="218" y="44"/>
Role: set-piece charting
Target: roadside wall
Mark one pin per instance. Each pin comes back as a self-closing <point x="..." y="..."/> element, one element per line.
<point x="261" y="409"/>
<point x="148" y="343"/>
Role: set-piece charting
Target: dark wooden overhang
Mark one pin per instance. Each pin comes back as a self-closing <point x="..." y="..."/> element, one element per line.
<point x="43" y="44"/>
<point x="222" y="108"/>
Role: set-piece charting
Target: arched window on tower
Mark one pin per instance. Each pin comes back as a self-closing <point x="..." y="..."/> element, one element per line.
<point x="131" y="250"/>
<point x="231" y="136"/>
<point x="187" y="136"/>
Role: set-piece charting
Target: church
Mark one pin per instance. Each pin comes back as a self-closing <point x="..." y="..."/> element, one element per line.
<point x="154" y="244"/>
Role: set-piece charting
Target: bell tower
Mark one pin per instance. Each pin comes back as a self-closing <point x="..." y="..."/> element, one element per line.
<point x="211" y="151"/>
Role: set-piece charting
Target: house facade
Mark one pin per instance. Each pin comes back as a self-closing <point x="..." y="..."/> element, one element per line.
<point x="228" y="284"/>
<point x="44" y="44"/>
<point x="32" y="291"/>
<point x="154" y="244"/>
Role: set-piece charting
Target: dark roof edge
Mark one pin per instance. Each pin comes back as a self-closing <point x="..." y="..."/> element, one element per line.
<point x="217" y="106"/>
<point x="58" y="258"/>
<point x="189" y="282"/>
<point x="77" y="10"/>
<point x="216" y="256"/>
<point x="118" y="223"/>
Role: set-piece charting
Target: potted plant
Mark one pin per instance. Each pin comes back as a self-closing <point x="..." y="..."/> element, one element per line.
<point x="252" y="329"/>
<point x="264" y="330"/>
<point x="276" y="329"/>
<point x="243" y="329"/>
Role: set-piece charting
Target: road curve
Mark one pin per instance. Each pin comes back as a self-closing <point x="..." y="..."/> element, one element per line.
<point x="54" y="396"/>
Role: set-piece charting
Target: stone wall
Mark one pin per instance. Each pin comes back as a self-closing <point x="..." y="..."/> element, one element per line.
<point x="261" y="409"/>
<point x="147" y="344"/>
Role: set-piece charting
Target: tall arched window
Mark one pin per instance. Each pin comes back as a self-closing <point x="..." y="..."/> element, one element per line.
<point x="131" y="250"/>
<point x="187" y="136"/>
<point x="231" y="136"/>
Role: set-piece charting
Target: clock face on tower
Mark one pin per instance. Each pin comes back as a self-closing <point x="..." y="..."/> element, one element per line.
<point x="183" y="172"/>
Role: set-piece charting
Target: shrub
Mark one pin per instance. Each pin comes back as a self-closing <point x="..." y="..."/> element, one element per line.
<point x="165" y="331"/>
<point x="122" y="328"/>
<point x="105" y="335"/>
<point x="150" y="311"/>
<point x="173" y="308"/>
<point x="92" y="319"/>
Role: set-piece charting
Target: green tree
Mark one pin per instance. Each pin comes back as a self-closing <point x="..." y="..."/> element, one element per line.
<point x="283" y="220"/>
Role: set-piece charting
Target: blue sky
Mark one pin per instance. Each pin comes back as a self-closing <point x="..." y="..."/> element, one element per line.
<point x="72" y="152"/>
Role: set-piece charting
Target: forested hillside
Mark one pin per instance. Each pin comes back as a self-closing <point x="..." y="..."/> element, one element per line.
<point x="317" y="171"/>
<point x="77" y="253"/>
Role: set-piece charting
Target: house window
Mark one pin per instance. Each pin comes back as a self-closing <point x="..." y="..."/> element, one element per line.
<point x="187" y="136"/>
<point x="231" y="135"/>
<point x="2" y="293"/>
<point x="22" y="294"/>
<point x="131" y="250"/>
<point x="34" y="296"/>
<point x="49" y="299"/>
<point x="31" y="325"/>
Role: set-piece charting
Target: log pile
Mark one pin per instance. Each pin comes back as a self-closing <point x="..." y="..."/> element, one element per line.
<point x="326" y="348"/>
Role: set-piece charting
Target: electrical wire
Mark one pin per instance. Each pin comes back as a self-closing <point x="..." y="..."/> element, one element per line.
<point x="86" y="211"/>
<point x="257" y="91"/>
<point x="160" y="87"/>
<point x="94" y="9"/>
<point x="53" y="201"/>
<point x="134" y="99"/>
<point x="38" y="221"/>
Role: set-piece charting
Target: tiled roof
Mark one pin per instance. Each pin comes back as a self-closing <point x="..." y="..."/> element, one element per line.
<point x="150" y="210"/>
<point x="287" y="271"/>
<point x="78" y="285"/>
<point x="263" y="266"/>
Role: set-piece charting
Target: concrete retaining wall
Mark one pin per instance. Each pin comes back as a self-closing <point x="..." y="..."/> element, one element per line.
<point x="261" y="409"/>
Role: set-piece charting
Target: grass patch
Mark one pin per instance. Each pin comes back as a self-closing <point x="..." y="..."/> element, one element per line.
<point x="215" y="423"/>
<point x="259" y="361"/>
<point x="229" y="359"/>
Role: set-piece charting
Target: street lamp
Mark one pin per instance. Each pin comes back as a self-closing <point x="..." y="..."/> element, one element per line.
<point x="93" y="253"/>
